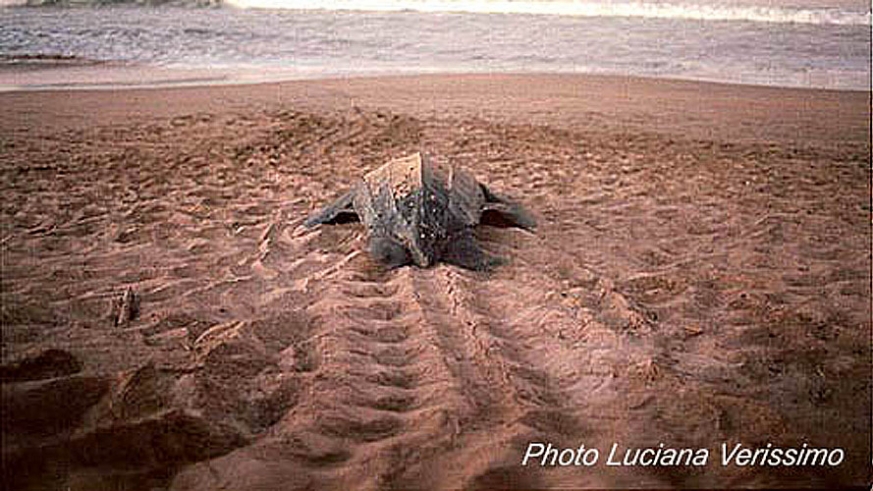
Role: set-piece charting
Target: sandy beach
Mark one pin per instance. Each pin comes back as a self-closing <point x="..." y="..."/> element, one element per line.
<point x="700" y="278"/>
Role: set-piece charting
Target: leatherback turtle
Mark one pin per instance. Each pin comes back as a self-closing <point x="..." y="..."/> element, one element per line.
<point x="418" y="212"/>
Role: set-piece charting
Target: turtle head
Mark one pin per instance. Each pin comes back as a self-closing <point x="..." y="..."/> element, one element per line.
<point x="389" y="252"/>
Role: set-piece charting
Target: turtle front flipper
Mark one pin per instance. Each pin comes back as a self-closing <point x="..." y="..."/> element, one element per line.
<point x="502" y="212"/>
<point x="462" y="250"/>
<point x="340" y="211"/>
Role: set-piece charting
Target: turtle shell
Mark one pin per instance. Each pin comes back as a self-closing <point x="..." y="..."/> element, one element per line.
<point x="418" y="204"/>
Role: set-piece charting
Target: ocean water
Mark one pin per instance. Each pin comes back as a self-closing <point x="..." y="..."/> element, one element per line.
<point x="799" y="44"/>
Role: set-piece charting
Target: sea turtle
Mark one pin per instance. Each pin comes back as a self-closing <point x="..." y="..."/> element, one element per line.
<point x="418" y="212"/>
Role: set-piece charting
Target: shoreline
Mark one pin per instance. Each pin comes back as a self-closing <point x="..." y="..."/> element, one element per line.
<point x="83" y="74"/>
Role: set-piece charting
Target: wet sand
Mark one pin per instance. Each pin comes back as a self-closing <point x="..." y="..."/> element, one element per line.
<point x="700" y="276"/>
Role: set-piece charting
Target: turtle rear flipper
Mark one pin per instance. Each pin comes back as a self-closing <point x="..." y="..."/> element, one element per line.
<point x="502" y="212"/>
<point x="462" y="250"/>
<point x="340" y="211"/>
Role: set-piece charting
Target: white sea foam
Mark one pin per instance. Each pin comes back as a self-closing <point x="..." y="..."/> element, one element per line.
<point x="638" y="9"/>
<point x="324" y="43"/>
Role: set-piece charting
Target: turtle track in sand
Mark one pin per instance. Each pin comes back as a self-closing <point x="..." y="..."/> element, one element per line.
<point x="413" y="370"/>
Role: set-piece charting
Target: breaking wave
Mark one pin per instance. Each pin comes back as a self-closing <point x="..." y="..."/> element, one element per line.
<point x="750" y="13"/>
<point x="578" y="8"/>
